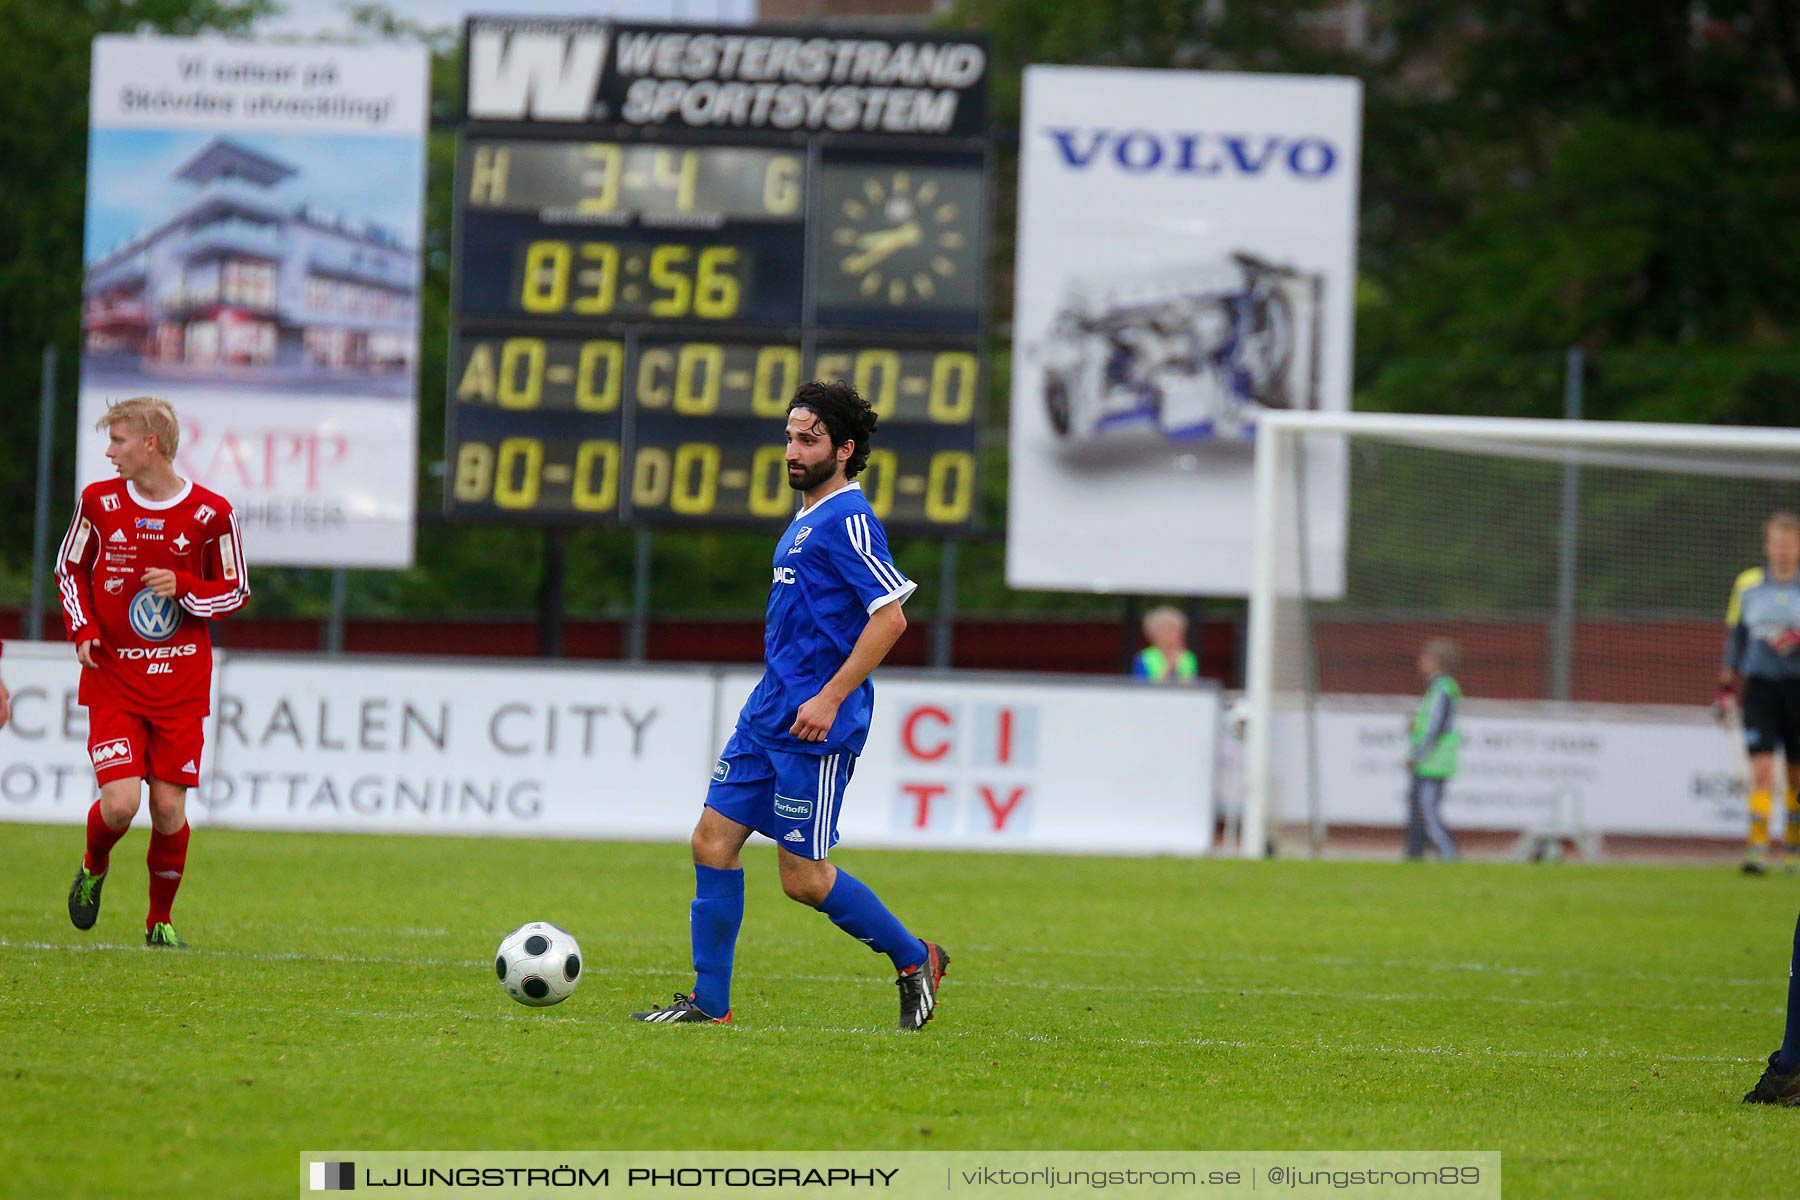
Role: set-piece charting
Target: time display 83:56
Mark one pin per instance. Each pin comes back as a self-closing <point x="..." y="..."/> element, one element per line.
<point x="515" y="267"/>
<point x="597" y="279"/>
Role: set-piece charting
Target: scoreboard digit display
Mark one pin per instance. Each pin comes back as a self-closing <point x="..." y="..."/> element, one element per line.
<point x="595" y="181"/>
<point x="662" y="230"/>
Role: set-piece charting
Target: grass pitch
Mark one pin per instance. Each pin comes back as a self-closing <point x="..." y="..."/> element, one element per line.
<point x="1596" y="1025"/>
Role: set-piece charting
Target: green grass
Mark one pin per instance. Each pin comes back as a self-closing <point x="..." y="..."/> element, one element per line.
<point x="1596" y="1025"/>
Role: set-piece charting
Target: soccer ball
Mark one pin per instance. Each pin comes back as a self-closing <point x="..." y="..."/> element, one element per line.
<point x="539" y="964"/>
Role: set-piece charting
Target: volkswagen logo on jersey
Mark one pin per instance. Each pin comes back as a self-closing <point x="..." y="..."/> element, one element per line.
<point x="154" y="618"/>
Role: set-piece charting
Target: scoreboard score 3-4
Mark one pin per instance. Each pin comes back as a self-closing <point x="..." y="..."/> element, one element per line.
<point x="661" y="231"/>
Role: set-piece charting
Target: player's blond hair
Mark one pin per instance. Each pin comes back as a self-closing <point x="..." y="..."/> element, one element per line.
<point x="148" y="416"/>
<point x="1443" y="652"/>
<point x="1165" y="614"/>
<point x="1783" y="520"/>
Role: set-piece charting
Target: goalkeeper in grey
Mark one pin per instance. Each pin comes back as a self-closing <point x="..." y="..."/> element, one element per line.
<point x="1432" y="752"/>
<point x="1760" y="671"/>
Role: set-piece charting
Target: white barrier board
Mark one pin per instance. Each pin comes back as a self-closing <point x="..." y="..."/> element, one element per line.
<point x="990" y="764"/>
<point x="361" y="745"/>
<point x="1669" y="772"/>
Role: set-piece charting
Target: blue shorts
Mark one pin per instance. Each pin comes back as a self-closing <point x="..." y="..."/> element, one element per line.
<point x="791" y="799"/>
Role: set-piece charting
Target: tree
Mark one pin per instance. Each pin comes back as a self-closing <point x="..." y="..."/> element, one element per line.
<point x="1615" y="173"/>
<point x="44" y="53"/>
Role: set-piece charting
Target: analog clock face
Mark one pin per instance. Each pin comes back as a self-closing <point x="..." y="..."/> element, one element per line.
<point x="899" y="237"/>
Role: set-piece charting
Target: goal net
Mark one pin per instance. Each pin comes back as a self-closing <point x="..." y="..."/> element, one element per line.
<point x="1569" y="563"/>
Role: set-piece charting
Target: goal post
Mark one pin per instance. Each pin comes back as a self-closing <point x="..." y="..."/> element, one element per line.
<point x="1574" y="560"/>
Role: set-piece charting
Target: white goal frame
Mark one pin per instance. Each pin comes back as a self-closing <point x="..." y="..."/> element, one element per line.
<point x="1276" y="434"/>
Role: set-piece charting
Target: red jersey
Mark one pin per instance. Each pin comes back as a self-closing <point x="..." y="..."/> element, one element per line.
<point x="155" y="653"/>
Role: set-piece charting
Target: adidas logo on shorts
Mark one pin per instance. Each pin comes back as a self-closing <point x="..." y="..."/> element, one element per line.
<point x="189" y="767"/>
<point x="794" y="835"/>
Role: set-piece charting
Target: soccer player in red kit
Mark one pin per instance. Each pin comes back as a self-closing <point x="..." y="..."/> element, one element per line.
<point x="149" y="560"/>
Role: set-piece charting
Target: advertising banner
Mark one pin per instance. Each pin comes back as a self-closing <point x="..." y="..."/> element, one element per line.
<point x="588" y="70"/>
<point x="627" y="753"/>
<point x="254" y="230"/>
<point x="354" y="746"/>
<point x="1656" y="772"/>
<point x="967" y="762"/>
<point x="1186" y="260"/>
<point x="45" y="772"/>
<point x="970" y="763"/>
<point x="442" y="748"/>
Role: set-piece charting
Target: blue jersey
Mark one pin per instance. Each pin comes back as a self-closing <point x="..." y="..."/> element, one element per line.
<point x="832" y="569"/>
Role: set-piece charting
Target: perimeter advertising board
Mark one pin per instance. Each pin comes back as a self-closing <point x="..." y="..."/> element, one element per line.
<point x="1186" y="261"/>
<point x="1644" y="771"/>
<point x="974" y="762"/>
<point x="361" y="746"/>
<point x="953" y="761"/>
<point x="254" y="223"/>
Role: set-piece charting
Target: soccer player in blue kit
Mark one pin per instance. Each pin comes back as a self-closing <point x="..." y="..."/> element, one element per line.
<point x="833" y="614"/>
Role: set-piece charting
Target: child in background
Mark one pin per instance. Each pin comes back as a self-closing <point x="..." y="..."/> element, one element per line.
<point x="1431" y="755"/>
<point x="1167" y="658"/>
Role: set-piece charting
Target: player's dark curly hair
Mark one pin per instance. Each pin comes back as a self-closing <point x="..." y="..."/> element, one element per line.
<point x="847" y="417"/>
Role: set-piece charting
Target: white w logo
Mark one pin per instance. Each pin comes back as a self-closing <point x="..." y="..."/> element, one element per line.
<point x="154" y="618"/>
<point x="545" y="75"/>
<point x="106" y="752"/>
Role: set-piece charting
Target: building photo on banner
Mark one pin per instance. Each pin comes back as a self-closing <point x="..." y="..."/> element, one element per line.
<point x="1186" y="261"/>
<point x="253" y="248"/>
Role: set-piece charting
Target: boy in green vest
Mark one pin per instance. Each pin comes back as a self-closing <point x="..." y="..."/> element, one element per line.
<point x="1167" y="658"/>
<point x="1432" y="751"/>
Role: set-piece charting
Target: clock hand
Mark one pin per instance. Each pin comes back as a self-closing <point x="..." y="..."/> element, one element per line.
<point x="880" y="236"/>
<point x="877" y="247"/>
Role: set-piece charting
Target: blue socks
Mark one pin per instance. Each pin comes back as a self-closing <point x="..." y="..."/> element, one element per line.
<point x="1790" y="1044"/>
<point x="713" y="922"/>
<point x="718" y="913"/>
<point x="854" y="909"/>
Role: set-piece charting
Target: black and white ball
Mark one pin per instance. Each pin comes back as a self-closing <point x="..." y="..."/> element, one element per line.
<point x="539" y="964"/>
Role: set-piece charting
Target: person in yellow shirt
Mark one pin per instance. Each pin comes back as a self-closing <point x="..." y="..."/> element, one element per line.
<point x="1760" y="673"/>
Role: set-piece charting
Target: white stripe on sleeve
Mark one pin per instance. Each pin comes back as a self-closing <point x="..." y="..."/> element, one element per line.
<point x="857" y="526"/>
<point x="66" y="582"/>
<point x="215" y="606"/>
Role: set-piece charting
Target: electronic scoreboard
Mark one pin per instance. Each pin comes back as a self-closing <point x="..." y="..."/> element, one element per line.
<point x="662" y="230"/>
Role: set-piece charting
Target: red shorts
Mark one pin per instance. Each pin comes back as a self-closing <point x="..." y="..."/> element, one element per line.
<point x="126" y="744"/>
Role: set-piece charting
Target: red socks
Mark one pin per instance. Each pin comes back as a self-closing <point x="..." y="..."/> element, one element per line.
<point x="167" y="859"/>
<point x="101" y="838"/>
